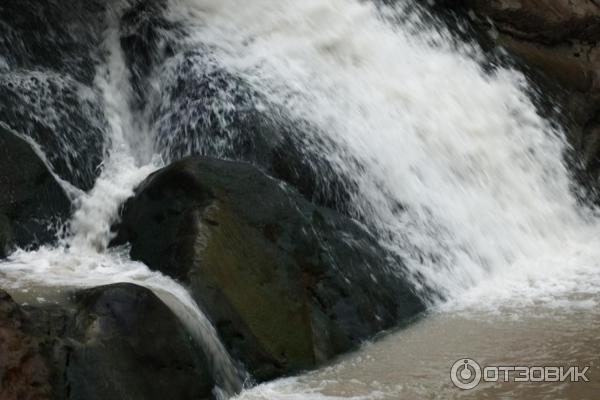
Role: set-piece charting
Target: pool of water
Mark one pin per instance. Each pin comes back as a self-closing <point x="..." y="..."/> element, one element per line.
<point x="416" y="362"/>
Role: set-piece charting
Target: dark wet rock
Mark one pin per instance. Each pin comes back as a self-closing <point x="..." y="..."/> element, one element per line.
<point x="24" y="373"/>
<point x="287" y="284"/>
<point x="5" y="236"/>
<point x="111" y="342"/>
<point x="128" y="344"/>
<point x="50" y="109"/>
<point x="203" y="109"/>
<point x="49" y="52"/>
<point x="147" y="39"/>
<point x="546" y="21"/>
<point x="52" y="35"/>
<point x="559" y="38"/>
<point x="198" y="107"/>
<point x="32" y="203"/>
<point x="559" y="41"/>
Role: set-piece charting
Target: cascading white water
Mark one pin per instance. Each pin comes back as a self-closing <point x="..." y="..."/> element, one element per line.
<point x="126" y="158"/>
<point x="454" y="167"/>
<point x="82" y="260"/>
<point x="479" y="174"/>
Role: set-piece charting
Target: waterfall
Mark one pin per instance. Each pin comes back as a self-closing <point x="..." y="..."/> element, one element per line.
<point x="449" y="164"/>
<point x="82" y="260"/>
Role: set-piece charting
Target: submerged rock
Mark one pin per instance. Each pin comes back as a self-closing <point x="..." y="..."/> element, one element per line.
<point x="32" y="203"/>
<point x="111" y="342"/>
<point x="287" y="284"/>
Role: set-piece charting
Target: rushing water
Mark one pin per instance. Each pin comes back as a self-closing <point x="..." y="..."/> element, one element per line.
<point x="478" y="173"/>
<point x="449" y="163"/>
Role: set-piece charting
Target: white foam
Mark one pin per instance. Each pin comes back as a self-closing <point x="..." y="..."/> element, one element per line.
<point x="84" y="267"/>
<point x="487" y="216"/>
<point x="295" y="389"/>
<point x="477" y="170"/>
<point x="82" y="259"/>
<point x="127" y="161"/>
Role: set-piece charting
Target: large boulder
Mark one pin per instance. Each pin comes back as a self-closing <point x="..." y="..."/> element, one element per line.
<point x="112" y="342"/>
<point x="286" y="283"/>
<point x="32" y="203"/>
<point x="128" y="344"/>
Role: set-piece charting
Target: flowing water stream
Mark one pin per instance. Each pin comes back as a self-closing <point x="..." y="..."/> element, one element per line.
<point x="450" y="163"/>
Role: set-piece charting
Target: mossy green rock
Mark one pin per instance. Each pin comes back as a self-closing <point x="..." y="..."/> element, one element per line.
<point x="287" y="284"/>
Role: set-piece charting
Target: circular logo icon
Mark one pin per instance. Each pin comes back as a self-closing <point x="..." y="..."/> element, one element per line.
<point x="466" y="374"/>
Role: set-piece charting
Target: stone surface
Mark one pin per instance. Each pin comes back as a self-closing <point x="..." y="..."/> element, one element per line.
<point x="128" y="344"/>
<point x="202" y="109"/>
<point x="111" y="342"/>
<point x="287" y="284"/>
<point x="50" y="52"/>
<point x="24" y="374"/>
<point x="32" y="203"/>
